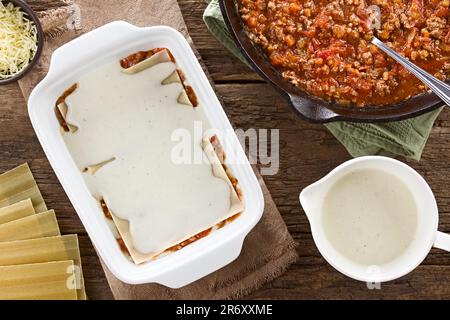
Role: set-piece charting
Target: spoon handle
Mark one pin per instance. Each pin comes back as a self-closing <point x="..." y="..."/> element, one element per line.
<point x="440" y="88"/>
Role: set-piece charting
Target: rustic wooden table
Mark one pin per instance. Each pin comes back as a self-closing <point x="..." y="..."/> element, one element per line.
<point x="307" y="152"/>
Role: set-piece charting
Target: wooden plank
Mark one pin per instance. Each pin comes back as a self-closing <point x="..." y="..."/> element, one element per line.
<point x="97" y="288"/>
<point x="307" y="153"/>
<point x="222" y="66"/>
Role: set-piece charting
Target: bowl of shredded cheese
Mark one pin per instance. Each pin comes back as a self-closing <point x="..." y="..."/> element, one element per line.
<point x="21" y="40"/>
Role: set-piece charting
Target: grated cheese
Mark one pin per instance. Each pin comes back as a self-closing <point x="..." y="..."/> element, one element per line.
<point x="18" y="40"/>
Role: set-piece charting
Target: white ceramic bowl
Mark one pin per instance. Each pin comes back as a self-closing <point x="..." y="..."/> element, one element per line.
<point x="112" y="42"/>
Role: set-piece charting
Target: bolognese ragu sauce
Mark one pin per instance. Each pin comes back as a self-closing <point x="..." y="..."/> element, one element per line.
<point x="324" y="46"/>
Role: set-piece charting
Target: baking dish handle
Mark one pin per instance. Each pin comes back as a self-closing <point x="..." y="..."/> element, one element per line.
<point x="202" y="265"/>
<point x="59" y="60"/>
<point x="311" y="110"/>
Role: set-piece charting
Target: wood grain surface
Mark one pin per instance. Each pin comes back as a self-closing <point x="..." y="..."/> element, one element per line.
<point x="307" y="152"/>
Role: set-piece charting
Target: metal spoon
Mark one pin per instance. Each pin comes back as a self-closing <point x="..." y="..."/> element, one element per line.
<point x="440" y="88"/>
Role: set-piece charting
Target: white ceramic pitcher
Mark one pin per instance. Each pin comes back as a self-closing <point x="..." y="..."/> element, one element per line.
<point x="427" y="236"/>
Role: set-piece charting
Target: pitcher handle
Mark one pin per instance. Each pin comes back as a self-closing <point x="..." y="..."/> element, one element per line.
<point x="442" y="241"/>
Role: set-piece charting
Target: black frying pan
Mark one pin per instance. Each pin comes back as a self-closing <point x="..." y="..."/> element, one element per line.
<point x="312" y="108"/>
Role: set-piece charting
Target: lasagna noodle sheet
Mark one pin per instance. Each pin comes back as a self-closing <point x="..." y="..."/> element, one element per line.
<point x="16" y="211"/>
<point x="35" y="226"/>
<point x="159" y="57"/>
<point x="50" y="249"/>
<point x="18" y="184"/>
<point x="63" y="109"/>
<point x="40" y="281"/>
<point x="237" y="206"/>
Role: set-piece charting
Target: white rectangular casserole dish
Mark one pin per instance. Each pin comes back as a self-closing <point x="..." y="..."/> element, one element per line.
<point x="113" y="42"/>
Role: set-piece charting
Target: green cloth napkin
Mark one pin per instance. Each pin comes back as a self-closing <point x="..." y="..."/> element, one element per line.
<point x="406" y="138"/>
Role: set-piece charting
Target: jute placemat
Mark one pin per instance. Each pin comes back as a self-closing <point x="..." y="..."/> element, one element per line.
<point x="268" y="250"/>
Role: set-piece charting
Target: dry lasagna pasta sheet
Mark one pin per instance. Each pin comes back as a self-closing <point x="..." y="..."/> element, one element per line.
<point x="38" y="281"/>
<point x="35" y="261"/>
<point x="18" y="184"/>
<point x="43" y="250"/>
<point x="16" y="211"/>
<point x="34" y="226"/>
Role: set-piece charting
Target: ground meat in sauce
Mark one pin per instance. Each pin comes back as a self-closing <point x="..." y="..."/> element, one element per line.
<point x="324" y="46"/>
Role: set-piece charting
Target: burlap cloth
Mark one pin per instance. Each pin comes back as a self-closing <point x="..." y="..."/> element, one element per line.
<point x="268" y="250"/>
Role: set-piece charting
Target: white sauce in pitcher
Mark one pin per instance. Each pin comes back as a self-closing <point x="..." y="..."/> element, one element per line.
<point x="132" y="118"/>
<point x="369" y="216"/>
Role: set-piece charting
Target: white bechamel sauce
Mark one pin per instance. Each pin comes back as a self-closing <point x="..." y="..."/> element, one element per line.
<point x="369" y="216"/>
<point x="132" y="118"/>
